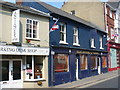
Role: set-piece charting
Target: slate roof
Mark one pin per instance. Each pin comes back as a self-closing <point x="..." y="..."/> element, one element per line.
<point x="114" y="3"/>
<point x="23" y="8"/>
<point x="68" y="15"/>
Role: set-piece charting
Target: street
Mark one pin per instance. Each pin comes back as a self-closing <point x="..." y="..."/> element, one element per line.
<point x="109" y="83"/>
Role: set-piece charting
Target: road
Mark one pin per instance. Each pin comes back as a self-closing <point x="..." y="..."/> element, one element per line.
<point x="106" y="83"/>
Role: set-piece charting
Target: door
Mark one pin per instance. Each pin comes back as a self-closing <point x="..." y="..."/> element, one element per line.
<point x="11" y="74"/>
<point x="76" y="68"/>
<point x="99" y="65"/>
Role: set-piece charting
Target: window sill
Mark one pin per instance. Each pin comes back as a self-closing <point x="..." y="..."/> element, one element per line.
<point x="34" y="39"/>
<point x="93" y="47"/>
<point x="62" y="42"/>
<point x="76" y="44"/>
<point x="33" y="80"/>
<point x="101" y="48"/>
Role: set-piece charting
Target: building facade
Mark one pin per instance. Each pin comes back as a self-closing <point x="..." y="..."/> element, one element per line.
<point x="24" y="47"/>
<point x="112" y="27"/>
<point x="105" y="15"/>
<point x="89" y="10"/>
<point x="77" y="48"/>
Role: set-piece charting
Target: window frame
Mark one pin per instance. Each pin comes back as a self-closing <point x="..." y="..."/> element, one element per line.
<point x="86" y="67"/>
<point x="37" y="30"/>
<point x="76" y="36"/>
<point x="66" y="62"/>
<point x="92" y="42"/>
<point x="101" y="42"/>
<point x="64" y="33"/>
<point x="95" y="63"/>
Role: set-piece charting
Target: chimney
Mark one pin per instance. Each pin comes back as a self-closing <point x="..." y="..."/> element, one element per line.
<point x="19" y="2"/>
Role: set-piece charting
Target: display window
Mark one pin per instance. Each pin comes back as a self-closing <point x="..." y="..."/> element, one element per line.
<point x="104" y="61"/>
<point x="93" y="60"/>
<point x="83" y="62"/>
<point x="34" y="67"/>
<point x="61" y="63"/>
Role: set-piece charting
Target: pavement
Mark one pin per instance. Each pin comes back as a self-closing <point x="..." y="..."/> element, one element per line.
<point x="89" y="80"/>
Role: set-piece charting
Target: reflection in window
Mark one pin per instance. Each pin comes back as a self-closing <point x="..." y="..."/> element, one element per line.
<point x="93" y="62"/>
<point x="61" y="63"/>
<point x="104" y="61"/>
<point x="83" y="62"/>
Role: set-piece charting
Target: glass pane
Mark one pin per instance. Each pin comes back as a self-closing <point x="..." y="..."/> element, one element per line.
<point x="61" y="63"/>
<point x="93" y="62"/>
<point x="5" y="70"/>
<point x="83" y="62"/>
<point x="16" y="70"/>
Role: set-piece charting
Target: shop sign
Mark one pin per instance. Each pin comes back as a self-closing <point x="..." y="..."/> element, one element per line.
<point x="13" y="50"/>
<point x="86" y="52"/>
<point x="15" y="26"/>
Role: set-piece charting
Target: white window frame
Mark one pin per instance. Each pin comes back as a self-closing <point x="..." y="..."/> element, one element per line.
<point x="112" y="33"/>
<point x="101" y="42"/>
<point x="75" y="36"/>
<point x="110" y="14"/>
<point x="37" y="38"/>
<point x="33" y="68"/>
<point x="92" y="43"/>
<point x="64" y="33"/>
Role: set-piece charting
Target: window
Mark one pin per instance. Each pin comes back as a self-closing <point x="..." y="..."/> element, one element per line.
<point x="93" y="60"/>
<point x="110" y="14"/>
<point x="31" y="29"/>
<point x="104" y="61"/>
<point x="61" y="63"/>
<point x="75" y="36"/>
<point x="112" y="33"/>
<point x="93" y="43"/>
<point x="73" y="12"/>
<point x="83" y="62"/>
<point x="101" y="42"/>
<point x="62" y="33"/>
<point x="34" y="67"/>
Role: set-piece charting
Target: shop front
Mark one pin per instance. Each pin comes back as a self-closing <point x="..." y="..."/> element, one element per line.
<point x="114" y="56"/>
<point x="23" y="67"/>
<point x="72" y="64"/>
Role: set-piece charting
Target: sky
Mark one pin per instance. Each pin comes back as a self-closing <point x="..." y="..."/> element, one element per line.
<point x="55" y="3"/>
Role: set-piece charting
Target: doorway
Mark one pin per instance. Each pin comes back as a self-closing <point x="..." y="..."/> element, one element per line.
<point x="11" y="74"/>
<point x="99" y="65"/>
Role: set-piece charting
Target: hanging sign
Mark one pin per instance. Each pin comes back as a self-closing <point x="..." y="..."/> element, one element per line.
<point x="15" y="26"/>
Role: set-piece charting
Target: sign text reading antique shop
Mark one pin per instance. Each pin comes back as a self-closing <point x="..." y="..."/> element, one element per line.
<point x="23" y="50"/>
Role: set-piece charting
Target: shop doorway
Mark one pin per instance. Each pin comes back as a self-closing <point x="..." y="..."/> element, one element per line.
<point x="11" y="74"/>
<point x="99" y="65"/>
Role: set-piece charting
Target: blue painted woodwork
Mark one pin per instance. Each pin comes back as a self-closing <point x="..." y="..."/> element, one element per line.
<point x="85" y="34"/>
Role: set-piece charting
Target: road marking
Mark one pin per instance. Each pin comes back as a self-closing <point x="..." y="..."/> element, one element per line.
<point x="93" y="83"/>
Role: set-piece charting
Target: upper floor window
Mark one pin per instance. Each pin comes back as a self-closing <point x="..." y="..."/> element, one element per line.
<point x="101" y="42"/>
<point x="92" y="43"/>
<point x="31" y="29"/>
<point x="112" y="33"/>
<point x="75" y="36"/>
<point x="62" y="33"/>
<point x="110" y="13"/>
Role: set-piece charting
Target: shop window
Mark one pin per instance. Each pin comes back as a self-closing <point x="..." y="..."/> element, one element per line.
<point x="104" y="61"/>
<point x="31" y="29"/>
<point x="34" y="67"/>
<point x="93" y="62"/>
<point x="83" y="62"/>
<point x="61" y="63"/>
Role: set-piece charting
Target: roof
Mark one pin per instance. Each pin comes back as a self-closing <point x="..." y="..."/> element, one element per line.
<point x="23" y="8"/>
<point x="68" y="15"/>
<point x="114" y="4"/>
